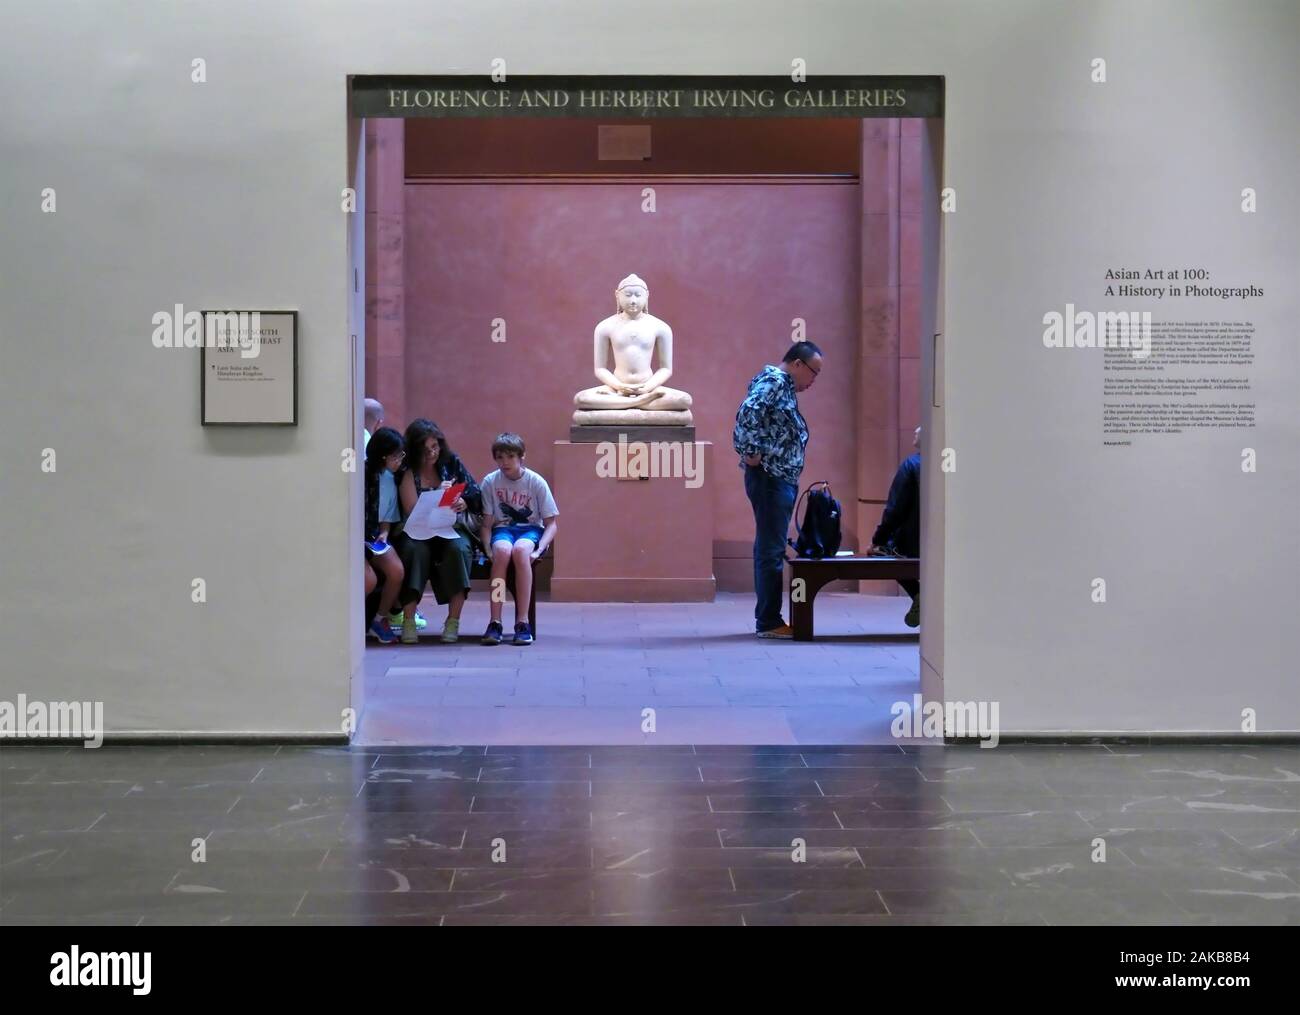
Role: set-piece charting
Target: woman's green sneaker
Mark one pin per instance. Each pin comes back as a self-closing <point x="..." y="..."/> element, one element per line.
<point x="451" y="630"/>
<point x="410" y="633"/>
<point x="395" y="620"/>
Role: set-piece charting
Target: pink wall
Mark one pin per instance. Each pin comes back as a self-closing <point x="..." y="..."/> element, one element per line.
<point x="730" y="261"/>
<point x="729" y="266"/>
<point x="385" y="324"/>
<point x="889" y="365"/>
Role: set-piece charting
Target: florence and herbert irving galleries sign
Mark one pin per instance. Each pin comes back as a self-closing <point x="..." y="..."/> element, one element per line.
<point x="645" y="97"/>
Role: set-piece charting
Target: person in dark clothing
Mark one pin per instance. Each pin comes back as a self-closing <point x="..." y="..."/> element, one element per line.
<point x="439" y="561"/>
<point x="384" y="456"/>
<point x="899" y="531"/>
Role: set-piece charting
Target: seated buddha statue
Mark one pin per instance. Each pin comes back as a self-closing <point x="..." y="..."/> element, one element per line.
<point x="634" y="392"/>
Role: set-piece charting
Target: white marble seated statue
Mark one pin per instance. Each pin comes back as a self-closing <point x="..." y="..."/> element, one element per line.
<point x="633" y="393"/>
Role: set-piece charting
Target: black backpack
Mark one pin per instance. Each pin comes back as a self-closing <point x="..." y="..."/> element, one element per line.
<point x="819" y="532"/>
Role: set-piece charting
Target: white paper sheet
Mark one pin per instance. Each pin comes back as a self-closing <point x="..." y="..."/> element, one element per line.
<point x="427" y="520"/>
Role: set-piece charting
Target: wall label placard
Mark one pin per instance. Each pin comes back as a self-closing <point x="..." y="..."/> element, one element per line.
<point x="249" y="364"/>
<point x="605" y="97"/>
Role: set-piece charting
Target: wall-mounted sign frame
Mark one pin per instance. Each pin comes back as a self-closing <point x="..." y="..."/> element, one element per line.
<point x="646" y="97"/>
<point x="249" y="368"/>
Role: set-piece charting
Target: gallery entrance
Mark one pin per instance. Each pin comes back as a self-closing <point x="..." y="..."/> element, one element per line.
<point x="491" y="249"/>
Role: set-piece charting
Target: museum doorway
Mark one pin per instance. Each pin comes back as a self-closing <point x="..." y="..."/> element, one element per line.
<point x="490" y="246"/>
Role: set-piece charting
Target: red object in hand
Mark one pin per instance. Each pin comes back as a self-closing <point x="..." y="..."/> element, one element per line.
<point x="450" y="495"/>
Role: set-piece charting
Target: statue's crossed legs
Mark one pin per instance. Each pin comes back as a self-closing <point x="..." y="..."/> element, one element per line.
<point x="602" y="406"/>
<point x="603" y="397"/>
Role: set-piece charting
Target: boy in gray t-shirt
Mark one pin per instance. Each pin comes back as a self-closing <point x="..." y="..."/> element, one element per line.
<point x="519" y="521"/>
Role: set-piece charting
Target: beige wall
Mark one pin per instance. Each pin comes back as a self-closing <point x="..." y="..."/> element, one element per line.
<point x="227" y="193"/>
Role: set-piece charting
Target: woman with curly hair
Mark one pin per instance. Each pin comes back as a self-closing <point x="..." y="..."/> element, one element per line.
<point x="440" y="562"/>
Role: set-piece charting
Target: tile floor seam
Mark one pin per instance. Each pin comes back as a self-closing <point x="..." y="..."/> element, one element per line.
<point x="1130" y="860"/>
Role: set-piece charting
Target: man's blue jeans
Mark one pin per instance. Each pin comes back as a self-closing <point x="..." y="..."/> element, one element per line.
<point x="773" y="502"/>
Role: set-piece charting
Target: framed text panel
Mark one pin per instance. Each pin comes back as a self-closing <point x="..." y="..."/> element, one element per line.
<point x="249" y="361"/>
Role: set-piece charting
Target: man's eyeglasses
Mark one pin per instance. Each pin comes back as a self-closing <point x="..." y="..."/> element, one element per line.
<point x="808" y="366"/>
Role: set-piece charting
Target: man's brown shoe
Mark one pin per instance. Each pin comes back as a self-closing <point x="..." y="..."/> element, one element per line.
<point x="784" y="631"/>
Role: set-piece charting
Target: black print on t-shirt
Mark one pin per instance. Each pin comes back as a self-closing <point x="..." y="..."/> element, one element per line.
<point x="519" y="516"/>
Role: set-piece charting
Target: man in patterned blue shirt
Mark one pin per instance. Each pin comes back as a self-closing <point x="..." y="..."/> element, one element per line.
<point x="770" y="436"/>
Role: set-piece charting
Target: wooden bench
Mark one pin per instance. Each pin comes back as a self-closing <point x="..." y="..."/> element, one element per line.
<point x="816" y="573"/>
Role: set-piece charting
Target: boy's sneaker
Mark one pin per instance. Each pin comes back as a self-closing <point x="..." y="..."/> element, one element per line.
<point x="913" y="618"/>
<point x="782" y="631"/>
<point x="450" y="631"/>
<point x="523" y="634"/>
<point x="492" y="636"/>
<point x="381" y="630"/>
<point x="397" y="616"/>
<point x="410" y="631"/>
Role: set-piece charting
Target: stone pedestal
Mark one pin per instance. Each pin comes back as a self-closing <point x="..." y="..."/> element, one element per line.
<point x="628" y="539"/>
<point x="649" y="434"/>
<point x="633" y="417"/>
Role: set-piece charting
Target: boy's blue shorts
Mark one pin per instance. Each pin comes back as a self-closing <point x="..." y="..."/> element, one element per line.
<point x="509" y="533"/>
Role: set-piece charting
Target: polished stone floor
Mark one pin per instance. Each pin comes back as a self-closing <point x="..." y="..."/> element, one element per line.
<point x="596" y="666"/>
<point x="684" y="834"/>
